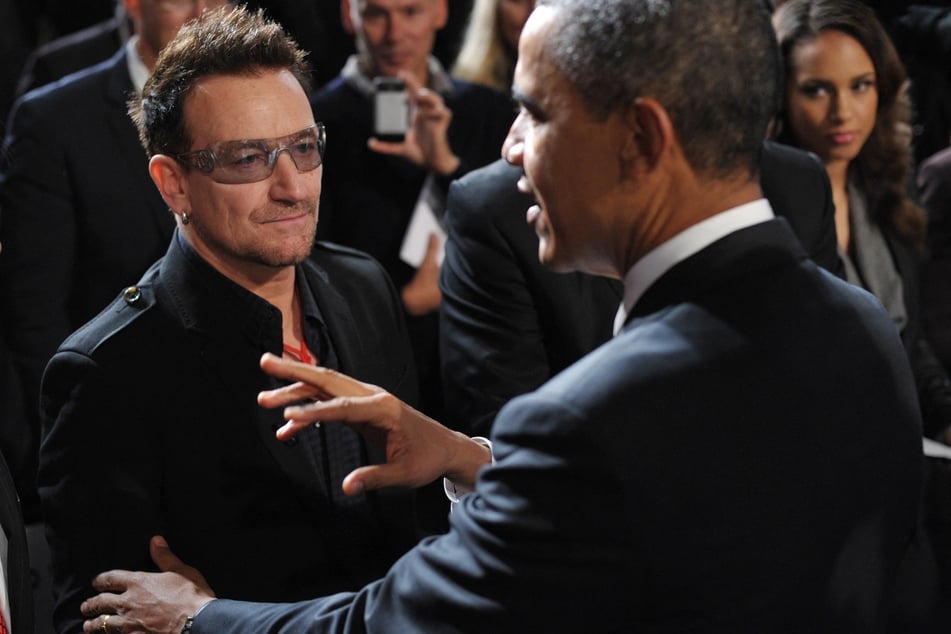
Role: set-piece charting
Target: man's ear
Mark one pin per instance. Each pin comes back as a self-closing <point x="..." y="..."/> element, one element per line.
<point x="169" y="176"/>
<point x="650" y="133"/>
<point x="133" y="9"/>
<point x="442" y="13"/>
<point x="346" y="18"/>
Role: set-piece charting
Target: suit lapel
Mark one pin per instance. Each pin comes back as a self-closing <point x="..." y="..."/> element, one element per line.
<point x="344" y="335"/>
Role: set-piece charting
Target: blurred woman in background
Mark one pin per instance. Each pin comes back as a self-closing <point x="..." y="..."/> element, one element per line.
<point x="490" y="45"/>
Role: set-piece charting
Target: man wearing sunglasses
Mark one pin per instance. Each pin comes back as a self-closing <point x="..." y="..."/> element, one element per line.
<point x="136" y="402"/>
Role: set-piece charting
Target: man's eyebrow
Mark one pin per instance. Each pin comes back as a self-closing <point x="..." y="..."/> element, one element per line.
<point x="524" y="100"/>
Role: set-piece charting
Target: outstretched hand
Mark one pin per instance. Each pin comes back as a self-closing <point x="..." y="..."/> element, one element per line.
<point x="418" y="449"/>
<point x="147" y="602"/>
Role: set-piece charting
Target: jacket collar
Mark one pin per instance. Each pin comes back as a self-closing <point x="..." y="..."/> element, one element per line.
<point x="744" y="252"/>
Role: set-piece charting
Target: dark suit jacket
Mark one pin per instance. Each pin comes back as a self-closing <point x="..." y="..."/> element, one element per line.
<point x="69" y="54"/>
<point x="931" y="377"/>
<point x="151" y="426"/>
<point x="80" y="219"/>
<point x="701" y="472"/>
<point x="934" y="183"/>
<point x="507" y="323"/>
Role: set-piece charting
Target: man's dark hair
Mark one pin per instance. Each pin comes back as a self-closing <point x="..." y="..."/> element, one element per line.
<point x="221" y="42"/>
<point x="712" y="64"/>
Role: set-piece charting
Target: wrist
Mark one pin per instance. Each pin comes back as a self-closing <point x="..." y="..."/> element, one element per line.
<point x="467" y="459"/>
<point x="447" y="164"/>
<point x="190" y="621"/>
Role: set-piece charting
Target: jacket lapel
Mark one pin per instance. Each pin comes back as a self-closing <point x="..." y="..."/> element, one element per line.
<point x="757" y="247"/>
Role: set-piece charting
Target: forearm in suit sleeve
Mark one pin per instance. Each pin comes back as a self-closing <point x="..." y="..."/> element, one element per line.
<point x="502" y="567"/>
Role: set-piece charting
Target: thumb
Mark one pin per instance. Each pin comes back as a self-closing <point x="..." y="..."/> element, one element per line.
<point x="372" y="477"/>
<point x="163" y="556"/>
<point x="432" y="248"/>
<point x="433" y="252"/>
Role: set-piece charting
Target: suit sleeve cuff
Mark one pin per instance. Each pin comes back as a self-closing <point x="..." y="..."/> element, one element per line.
<point x="456" y="492"/>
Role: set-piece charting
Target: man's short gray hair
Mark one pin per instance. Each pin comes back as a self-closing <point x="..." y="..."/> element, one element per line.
<point x="713" y="65"/>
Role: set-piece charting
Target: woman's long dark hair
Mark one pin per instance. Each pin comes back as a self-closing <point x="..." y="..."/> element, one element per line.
<point x="882" y="167"/>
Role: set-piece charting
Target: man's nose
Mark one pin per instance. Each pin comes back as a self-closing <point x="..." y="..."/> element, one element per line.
<point x="395" y="26"/>
<point x="286" y="180"/>
<point x="514" y="144"/>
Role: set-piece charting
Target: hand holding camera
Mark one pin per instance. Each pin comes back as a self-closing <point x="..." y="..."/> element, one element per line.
<point x="427" y="118"/>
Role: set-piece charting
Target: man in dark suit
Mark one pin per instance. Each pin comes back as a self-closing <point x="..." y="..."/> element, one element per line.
<point x="80" y="216"/>
<point x="130" y="445"/>
<point x="508" y="323"/>
<point x="374" y="188"/>
<point x="743" y="456"/>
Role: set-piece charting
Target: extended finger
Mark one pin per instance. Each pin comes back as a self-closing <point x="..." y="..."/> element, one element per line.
<point x="413" y="85"/>
<point x="104" y="603"/>
<point x="299" y="391"/>
<point x="112" y="581"/>
<point x="162" y="555"/>
<point x="380" y="476"/>
<point x="427" y="100"/>
<point x="329" y="381"/>
<point x="364" y="479"/>
<point x="111" y="623"/>
<point x="352" y="410"/>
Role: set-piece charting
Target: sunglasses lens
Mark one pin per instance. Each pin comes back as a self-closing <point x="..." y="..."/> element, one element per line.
<point x="235" y="162"/>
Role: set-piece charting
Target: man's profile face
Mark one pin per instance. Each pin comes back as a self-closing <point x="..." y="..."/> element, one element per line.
<point x="569" y="157"/>
<point x="249" y="226"/>
<point x="394" y="35"/>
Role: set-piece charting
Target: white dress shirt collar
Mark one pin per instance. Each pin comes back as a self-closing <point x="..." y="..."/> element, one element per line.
<point x="138" y="72"/>
<point x="691" y="240"/>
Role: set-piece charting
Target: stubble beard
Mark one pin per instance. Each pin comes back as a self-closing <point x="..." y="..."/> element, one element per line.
<point x="277" y="256"/>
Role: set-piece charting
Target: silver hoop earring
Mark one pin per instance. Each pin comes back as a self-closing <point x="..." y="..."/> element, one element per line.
<point x="184" y="217"/>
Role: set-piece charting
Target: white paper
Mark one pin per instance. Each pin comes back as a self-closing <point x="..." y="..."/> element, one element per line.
<point x="934" y="449"/>
<point x="421" y="226"/>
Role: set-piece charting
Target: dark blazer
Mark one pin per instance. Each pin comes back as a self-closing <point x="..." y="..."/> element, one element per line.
<point x="934" y="186"/>
<point x="507" y="323"/>
<point x="69" y="54"/>
<point x="931" y="377"/>
<point x="700" y="472"/>
<point x="151" y="426"/>
<point x="80" y="219"/>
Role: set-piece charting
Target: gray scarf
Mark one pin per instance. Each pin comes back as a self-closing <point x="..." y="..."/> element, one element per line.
<point x="869" y="263"/>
